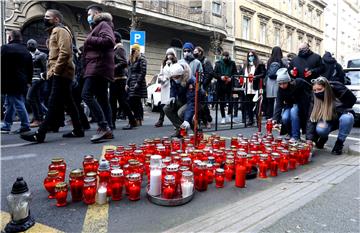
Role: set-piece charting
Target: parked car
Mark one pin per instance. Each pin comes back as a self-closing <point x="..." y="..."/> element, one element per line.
<point x="353" y="83"/>
<point x="154" y="94"/>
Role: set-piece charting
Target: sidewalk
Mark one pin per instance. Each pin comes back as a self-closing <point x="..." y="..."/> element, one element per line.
<point x="354" y="149"/>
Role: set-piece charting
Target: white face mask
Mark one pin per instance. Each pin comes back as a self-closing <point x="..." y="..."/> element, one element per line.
<point x="187" y="54"/>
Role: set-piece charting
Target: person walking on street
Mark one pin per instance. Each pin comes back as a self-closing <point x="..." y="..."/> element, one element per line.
<point x="136" y="85"/>
<point x="34" y="92"/>
<point x="16" y="75"/>
<point x="306" y="65"/>
<point x="225" y="68"/>
<point x="332" y="69"/>
<point x="117" y="88"/>
<point x="164" y="80"/>
<point x="60" y="70"/>
<point x="99" y="70"/>
<point x="332" y="110"/>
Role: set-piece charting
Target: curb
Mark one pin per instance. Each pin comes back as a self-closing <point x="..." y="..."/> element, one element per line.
<point x="354" y="149"/>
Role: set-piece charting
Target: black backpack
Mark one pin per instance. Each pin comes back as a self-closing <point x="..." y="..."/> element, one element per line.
<point x="272" y="69"/>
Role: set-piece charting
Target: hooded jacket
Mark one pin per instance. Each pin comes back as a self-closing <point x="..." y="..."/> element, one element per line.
<point x="99" y="48"/>
<point x="332" y="69"/>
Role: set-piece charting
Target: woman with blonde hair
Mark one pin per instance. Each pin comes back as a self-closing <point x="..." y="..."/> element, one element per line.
<point x="332" y="110"/>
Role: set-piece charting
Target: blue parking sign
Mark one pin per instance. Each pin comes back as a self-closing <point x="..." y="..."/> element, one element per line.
<point x="138" y="37"/>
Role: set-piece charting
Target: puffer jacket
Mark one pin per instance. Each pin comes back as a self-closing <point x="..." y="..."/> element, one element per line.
<point x="60" y="59"/>
<point x="136" y="78"/>
<point x="99" y="48"/>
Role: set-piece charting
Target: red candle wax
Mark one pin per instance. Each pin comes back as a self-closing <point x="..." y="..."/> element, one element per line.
<point x="274" y="168"/>
<point x="50" y="182"/>
<point x="240" y="176"/>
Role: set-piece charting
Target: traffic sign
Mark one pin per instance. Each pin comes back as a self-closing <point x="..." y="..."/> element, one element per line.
<point x="138" y="37"/>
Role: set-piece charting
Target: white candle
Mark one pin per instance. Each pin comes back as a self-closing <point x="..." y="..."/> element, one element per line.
<point x="101" y="195"/>
<point x="155" y="182"/>
<point x="187" y="189"/>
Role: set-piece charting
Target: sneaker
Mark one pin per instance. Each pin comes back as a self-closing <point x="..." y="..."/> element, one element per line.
<point x="21" y="130"/>
<point x="74" y="134"/>
<point x="158" y="124"/>
<point x="337" y="150"/>
<point x="35" y="124"/>
<point x="5" y="130"/>
<point x="33" y="137"/>
<point x="102" y="134"/>
<point x="223" y="120"/>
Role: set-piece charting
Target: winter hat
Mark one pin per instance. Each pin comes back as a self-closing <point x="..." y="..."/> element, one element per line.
<point x="176" y="70"/>
<point x="171" y="51"/>
<point x="136" y="47"/>
<point x="189" y="46"/>
<point x="282" y="76"/>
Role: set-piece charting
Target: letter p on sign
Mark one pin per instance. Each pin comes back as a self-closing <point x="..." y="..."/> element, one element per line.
<point x="138" y="37"/>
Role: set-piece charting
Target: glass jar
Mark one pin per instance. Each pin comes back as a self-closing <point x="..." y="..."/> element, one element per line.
<point x="139" y="156"/>
<point x="240" y="176"/>
<point x="173" y="169"/>
<point x="50" y="182"/>
<point x="234" y="142"/>
<point x="114" y="163"/>
<point x="222" y="143"/>
<point x="167" y="145"/>
<point x="155" y="175"/>
<point x="134" y="186"/>
<point x="109" y="154"/>
<point x="292" y="158"/>
<point x="104" y="175"/>
<point x="120" y="155"/>
<point x="76" y="180"/>
<point x="219" y="178"/>
<point x="93" y="175"/>
<point x="175" y="144"/>
<point x="240" y="158"/>
<point x="169" y="187"/>
<point x="187" y="183"/>
<point x="89" y="190"/>
<point x="61" y="191"/>
<point x="229" y="170"/>
<point x="263" y="166"/>
<point x="269" y="126"/>
<point x="88" y="163"/>
<point x="96" y="165"/>
<point x="201" y="182"/>
<point x="209" y="173"/>
<point x="116" y="183"/>
<point x="183" y="132"/>
<point x="284" y="161"/>
<point x="59" y="165"/>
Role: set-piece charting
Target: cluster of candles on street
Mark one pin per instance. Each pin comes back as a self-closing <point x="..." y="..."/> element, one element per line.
<point x="174" y="168"/>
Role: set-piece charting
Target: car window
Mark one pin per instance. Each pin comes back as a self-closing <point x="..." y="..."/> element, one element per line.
<point x="353" y="63"/>
<point x="354" y="77"/>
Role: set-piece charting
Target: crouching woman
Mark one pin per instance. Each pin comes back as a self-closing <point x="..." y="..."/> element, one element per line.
<point x="332" y="110"/>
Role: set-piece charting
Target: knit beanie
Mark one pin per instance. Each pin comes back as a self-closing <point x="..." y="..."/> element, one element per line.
<point x="136" y="47"/>
<point x="171" y="51"/>
<point x="189" y="46"/>
<point x="176" y="70"/>
<point x="282" y="76"/>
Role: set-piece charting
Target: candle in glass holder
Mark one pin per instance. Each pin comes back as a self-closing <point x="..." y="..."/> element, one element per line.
<point x="169" y="187"/>
<point x="240" y="176"/>
<point x="234" y="141"/>
<point x="116" y="182"/>
<point x="61" y="191"/>
<point x="88" y="163"/>
<point x="89" y="190"/>
<point x="201" y="182"/>
<point x="59" y="165"/>
<point x="155" y="175"/>
<point x="161" y="150"/>
<point x="186" y="161"/>
<point x="187" y="183"/>
<point x="109" y="154"/>
<point x="175" y="144"/>
<point x="114" y="163"/>
<point x="139" y="156"/>
<point x="229" y="170"/>
<point x="263" y="166"/>
<point x="269" y="126"/>
<point x="101" y="197"/>
<point x="134" y="186"/>
<point x="50" y="182"/>
<point x="209" y="173"/>
<point x="274" y="168"/>
<point x="292" y="158"/>
<point x="284" y="161"/>
<point x="104" y="174"/>
<point x="76" y="181"/>
<point x="219" y="178"/>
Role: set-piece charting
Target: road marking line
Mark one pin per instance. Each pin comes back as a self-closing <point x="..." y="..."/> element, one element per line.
<point x="347" y="138"/>
<point x="16" y="145"/>
<point x="97" y="216"/>
<point x="38" y="227"/>
<point x="12" y="157"/>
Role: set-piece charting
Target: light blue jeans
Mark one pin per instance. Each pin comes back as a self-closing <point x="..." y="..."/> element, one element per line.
<point x="290" y="118"/>
<point x="346" y="122"/>
<point x="13" y="104"/>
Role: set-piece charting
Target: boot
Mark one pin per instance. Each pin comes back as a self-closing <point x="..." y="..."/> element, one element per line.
<point x="321" y="142"/>
<point x="337" y="150"/>
<point x="159" y="124"/>
<point x="130" y="126"/>
<point x="33" y="137"/>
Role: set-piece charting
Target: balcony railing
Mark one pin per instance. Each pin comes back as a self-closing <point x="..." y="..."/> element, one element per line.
<point x="170" y="8"/>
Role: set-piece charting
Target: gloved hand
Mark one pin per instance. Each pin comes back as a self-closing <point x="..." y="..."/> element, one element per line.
<point x="185" y="125"/>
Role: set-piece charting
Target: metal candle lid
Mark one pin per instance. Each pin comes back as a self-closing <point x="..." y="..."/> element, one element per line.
<point x="134" y="177"/>
<point x="104" y="165"/>
<point x="275" y="155"/>
<point x="88" y="158"/>
<point x="57" y="160"/>
<point x="117" y="173"/>
<point x="241" y="154"/>
<point x="133" y="162"/>
<point x="263" y="156"/>
<point x="187" y="174"/>
<point x="91" y="174"/>
<point x="76" y="173"/>
<point x="169" y="178"/>
<point x="172" y="168"/>
<point x="184" y="168"/>
<point x="89" y="179"/>
<point x="53" y="173"/>
<point x="61" y="185"/>
<point x="219" y="170"/>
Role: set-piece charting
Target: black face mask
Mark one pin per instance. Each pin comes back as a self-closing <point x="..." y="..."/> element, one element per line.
<point x="303" y="53"/>
<point x="47" y="23"/>
<point x="196" y="55"/>
<point x="31" y="49"/>
<point x="320" y="95"/>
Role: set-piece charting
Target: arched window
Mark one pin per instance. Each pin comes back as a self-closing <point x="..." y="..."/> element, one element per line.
<point x="36" y="30"/>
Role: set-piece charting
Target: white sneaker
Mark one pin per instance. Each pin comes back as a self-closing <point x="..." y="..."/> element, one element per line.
<point x="223" y="121"/>
<point x="228" y="119"/>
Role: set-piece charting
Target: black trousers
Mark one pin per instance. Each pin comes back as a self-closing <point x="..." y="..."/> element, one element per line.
<point x="77" y="90"/>
<point x="136" y="107"/>
<point x="270" y="102"/>
<point x="60" y="96"/>
<point x="95" y="95"/>
<point x="225" y="96"/>
<point x="250" y="106"/>
<point x="119" y="95"/>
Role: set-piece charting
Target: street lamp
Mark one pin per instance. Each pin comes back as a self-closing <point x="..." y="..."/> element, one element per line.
<point x="19" y="201"/>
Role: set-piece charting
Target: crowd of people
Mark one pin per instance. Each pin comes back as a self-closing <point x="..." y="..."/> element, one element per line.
<point x="301" y="92"/>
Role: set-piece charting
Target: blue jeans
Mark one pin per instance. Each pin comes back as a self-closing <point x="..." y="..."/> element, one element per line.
<point x="346" y="122"/>
<point x="15" y="103"/>
<point x="290" y="119"/>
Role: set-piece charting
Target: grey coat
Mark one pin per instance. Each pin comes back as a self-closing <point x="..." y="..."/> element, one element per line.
<point x="136" y="78"/>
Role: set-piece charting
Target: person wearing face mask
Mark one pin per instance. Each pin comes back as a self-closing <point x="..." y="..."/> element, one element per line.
<point x="136" y="85"/>
<point x="34" y="92"/>
<point x="99" y="70"/>
<point x="332" y="110"/>
<point x="164" y="80"/>
<point x="224" y="69"/>
<point x="306" y="65"/>
<point x="61" y="72"/>
<point x="254" y="71"/>
<point x="195" y="64"/>
<point x="292" y="104"/>
<point x="16" y="75"/>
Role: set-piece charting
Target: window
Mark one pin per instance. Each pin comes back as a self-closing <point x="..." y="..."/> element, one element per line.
<point x="289" y="7"/>
<point x="179" y="53"/>
<point x="246" y="28"/>
<point x="277" y="36"/>
<point x="195" y="9"/>
<point x="216" y="8"/>
<point x="289" y="41"/>
<point x="262" y="33"/>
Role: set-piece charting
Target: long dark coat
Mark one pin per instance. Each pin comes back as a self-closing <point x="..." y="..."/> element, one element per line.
<point x="136" y="78"/>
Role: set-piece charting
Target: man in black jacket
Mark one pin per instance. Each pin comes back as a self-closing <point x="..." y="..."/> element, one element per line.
<point x="16" y="75"/>
<point x="307" y="65"/>
<point x="332" y="69"/>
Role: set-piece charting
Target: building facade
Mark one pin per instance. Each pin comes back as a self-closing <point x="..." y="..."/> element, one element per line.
<point x="342" y="32"/>
<point x="261" y="25"/>
<point x="167" y="23"/>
